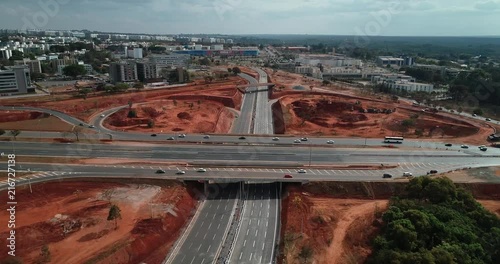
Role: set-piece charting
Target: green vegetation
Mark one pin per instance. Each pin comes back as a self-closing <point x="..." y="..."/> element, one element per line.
<point x="435" y="222"/>
<point x="74" y="70"/>
<point x="114" y="214"/>
<point x="44" y="256"/>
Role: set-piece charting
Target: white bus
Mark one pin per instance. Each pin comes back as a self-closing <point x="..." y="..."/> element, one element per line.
<point x="393" y="140"/>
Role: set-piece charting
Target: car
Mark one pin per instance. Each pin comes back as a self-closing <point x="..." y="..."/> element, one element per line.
<point x="276" y="139"/>
<point x="206" y="137"/>
<point x="288" y="176"/>
<point x="432" y="172"/>
<point x="330" y="142"/>
<point x="182" y="135"/>
<point x="102" y="115"/>
<point x="448" y="144"/>
<point x="91" y="126"/>
<point x="242" y="138"/>
<point x="464" y="146"/>
<point x="160" y="171"/>
<point x="387" y="175"/>
<point x="201" y="170"/>
<point x="488" y="119"/>
<point x="483" y="148"/>
<point x="407" y="174"/>
<point x="180" y="172"/>
<point x="171" y="138"/>
<point x="153" y="135"/>
<point x="301" y="171"/>
<point x="297" y="141"/>
<point x="304" y="139"/>
<point x="81" y="124"/>
<point x="474" y="115"/>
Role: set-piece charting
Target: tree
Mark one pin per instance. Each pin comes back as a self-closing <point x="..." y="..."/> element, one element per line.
<point x="132" y="113"/>
<point x="478" y="111"/>
<point x="15" y="133"/>
<point x="229" y="70"/>
<point x="236" y="70"/>
<point x="16" y="55"/>
<point x="74" y="70"/>
<point x="114" y="214"/>
<point x="138" y="85"/>
<point x="44" y="256"/>
<point x="77" y="131"/>
<point x="151" y="123"/>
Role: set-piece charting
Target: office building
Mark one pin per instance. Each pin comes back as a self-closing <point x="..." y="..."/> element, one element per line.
<point x="171" y="60"/>
<point x="15" y="81"/>
<point x="389" y="61"/>
<point x="400" y="82"/>
<point x="147" y="71"/>
<point x="5" y="54"/>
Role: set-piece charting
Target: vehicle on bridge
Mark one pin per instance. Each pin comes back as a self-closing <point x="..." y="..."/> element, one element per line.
<point x="393" y="140"/>
<point x="387" y="175"/>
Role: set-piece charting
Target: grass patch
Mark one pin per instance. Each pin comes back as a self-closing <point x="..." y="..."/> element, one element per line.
<point x="114" y="248"/>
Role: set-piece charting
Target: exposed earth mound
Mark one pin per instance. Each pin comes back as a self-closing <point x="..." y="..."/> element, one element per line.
<point x="173" y="115"/>
<point x="339" y="115"/>
<point x="70" y="218"/>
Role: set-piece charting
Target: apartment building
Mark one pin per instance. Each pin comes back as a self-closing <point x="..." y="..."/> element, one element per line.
<point x="15" y="81"/>
<point x="33" y="65"/>
<point x="147" y="71"/>
<point x="171" y="60"/>
<point x="123" y="71"/>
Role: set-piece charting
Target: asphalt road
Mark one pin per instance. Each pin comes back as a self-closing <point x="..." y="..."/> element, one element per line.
<point x="263" y="122"/>
<point x="243" y="124"/>
<point x="259" y="222"/>
<point x="246" y="154"/>
<point x="206" y="236"/>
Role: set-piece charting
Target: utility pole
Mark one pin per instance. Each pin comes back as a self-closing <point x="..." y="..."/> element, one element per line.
<point x="29" y="181"/>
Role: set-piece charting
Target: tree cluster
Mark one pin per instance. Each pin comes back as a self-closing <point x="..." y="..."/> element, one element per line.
<point x="436" y="222"/>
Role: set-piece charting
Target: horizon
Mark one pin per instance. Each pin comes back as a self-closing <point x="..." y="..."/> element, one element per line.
<point x="397" y="18"/>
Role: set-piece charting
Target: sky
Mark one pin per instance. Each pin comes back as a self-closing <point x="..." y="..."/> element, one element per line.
<point x="325" y="17"/>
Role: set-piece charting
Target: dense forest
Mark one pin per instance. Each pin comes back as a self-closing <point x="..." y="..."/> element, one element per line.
<point x="435" y="222"/>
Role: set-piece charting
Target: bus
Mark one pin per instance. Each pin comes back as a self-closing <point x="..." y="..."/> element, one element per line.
<point x="393" y="140"/>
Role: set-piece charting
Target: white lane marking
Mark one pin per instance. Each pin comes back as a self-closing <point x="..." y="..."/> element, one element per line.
<point x="218" y="226"/>
<point x="244" y="243"/>
<point x="247" y="231"/>
<point x="241" y="254"/>
<point x="209" y="247"/>
<point x="251" y="254"/>
<point x="253" y="243"/>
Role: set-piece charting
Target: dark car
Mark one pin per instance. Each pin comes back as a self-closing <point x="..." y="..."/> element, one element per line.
<point x="153" y="135"/>
<point x="387" y="175"/>
<point x="288" y="176"/>
<point x="242" y="138"/>
<point x="448" y="145"/>
<point x="160" y="171"/>
<point x="433" y="172"/>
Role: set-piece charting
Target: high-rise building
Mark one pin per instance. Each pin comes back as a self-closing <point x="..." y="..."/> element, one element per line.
<point x="15" y="81"/>
<point x="33" y="65"/>
<point x="123" y="71"/>
<point x="5" y="54"/>
<point x="147" y="71"/>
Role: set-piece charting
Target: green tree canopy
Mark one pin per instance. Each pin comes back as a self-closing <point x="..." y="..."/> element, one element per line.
<point x="74" y="70"/>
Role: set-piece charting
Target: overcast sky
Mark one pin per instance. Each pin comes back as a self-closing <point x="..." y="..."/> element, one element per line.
<point x="336" y="17"/>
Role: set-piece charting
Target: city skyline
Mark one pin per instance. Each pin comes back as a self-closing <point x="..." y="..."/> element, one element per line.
<point x="240" y="17"/>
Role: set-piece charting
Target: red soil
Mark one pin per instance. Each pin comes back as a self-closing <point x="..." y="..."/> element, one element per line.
<point x="82" y="208"/>
<point x="343" y="115"/>
<point x="188" y="116"/>
<point x="340" y="230"/>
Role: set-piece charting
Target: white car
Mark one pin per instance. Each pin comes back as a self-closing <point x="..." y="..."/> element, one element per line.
<point x="201" y="170"/>
<point x="301" y="171"/>
<point x="407" y="174"/>
<point x="180" y="172"/>
<point x="330" y="142"/>
<point x="182" y="135"/>
<point x="297" y="141"/>
<point x="276" y="139"/>
<point x="102" y="115"/>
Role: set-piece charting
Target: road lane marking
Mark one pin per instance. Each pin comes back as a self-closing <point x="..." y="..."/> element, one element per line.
<point x="244" y="243"/>
<point x="193" y="259"/>
<point x="209" y="246"/>
<point x="253" y="243"/>
<point x="251" y="254"/>
<point x="248" y="231"/>
<point x="241" y="254"/>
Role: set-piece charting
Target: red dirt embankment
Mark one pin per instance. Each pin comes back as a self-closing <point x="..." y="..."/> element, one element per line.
<point x="71" y="219"/>
<point x="98" y="102"/>
<point x="15" y="116"/>
<point x="189" y="116"/>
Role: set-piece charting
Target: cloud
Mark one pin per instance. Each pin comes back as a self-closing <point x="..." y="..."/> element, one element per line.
<point x="488" y="5"/>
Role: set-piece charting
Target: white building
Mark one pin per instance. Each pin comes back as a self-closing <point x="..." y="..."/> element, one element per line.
<point x="314" y="72"/>
<point x="171" y="60"/>
<point x="410" y="86"/>
<point x="88" y="68"/>
<point x="379" y="79"/>
<point x="5" y="54"/>
<point x="217" y="47"/>
<point x="135" y="53"/>
<point x="328" y="61"/>
<point x="385" y="61"/>
<point x="15" y="81"/>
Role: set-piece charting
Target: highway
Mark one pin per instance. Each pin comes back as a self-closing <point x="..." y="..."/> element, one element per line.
<point x="263" y="122"/>
<point x="258" y="227"/>
<point x="243" y="124"/>
<point x="205" y="238"/>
